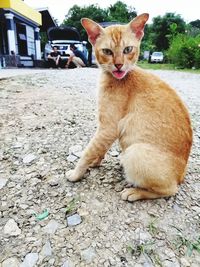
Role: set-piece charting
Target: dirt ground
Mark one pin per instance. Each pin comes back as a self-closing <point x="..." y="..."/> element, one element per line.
<point x="46" y="119"/>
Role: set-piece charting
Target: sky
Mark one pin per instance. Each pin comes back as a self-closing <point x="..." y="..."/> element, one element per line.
<point x="188" y="9"/>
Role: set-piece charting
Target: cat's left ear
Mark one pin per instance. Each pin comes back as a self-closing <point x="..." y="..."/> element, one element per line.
<point x="93" y="29"/>
<point x="137" y="25"/>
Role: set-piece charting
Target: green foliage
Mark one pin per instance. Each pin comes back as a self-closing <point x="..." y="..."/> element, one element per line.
<point x="121" y="12"/>
<point x="185" y="51"/>
<point x="192" y="30"/>
<point x="73" y="18"/>
<point x="141" y="248"/>
<point x="147" y="249"/>
<point x="152" y="228"/>
<point x="72" y="206"/>
<point x="44" y="39"/>
<point x="182" y="241"/>
<point x="146" y="65"/>
<point x="164" y="28"/>
<point x="173" y="31"/>
<point x="197" y="55"/>
<point x="147" y="43"/>
<point x="195" y="23"/>
<point x="168" y="33"/>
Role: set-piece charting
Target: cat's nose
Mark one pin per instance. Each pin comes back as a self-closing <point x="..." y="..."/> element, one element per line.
<point x="118" y="66"/>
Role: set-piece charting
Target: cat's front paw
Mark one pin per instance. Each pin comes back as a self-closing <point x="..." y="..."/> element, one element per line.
<point x="72" y="176"/>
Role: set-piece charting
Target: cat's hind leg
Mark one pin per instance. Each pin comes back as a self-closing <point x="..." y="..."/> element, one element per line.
<point x="154" y="172"/>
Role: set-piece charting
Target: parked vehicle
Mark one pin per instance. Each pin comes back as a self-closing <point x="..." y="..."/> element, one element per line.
<point x="62" y="37"/>
<point x="157" y="57"/>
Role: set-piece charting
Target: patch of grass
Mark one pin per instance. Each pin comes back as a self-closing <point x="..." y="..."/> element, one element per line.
<point x="72" y="205"/>
<point x="139" y="249"/>
<point x="183" y="242"/>
<point x="152" y="228"/>
<point x="146" y="65"/>
<point x="147" y="250"/>
<point x="156" y="260"/>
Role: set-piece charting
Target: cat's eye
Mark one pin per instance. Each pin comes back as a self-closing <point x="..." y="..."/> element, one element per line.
<point x="128" y="49"/>
<point x="107" y="52"/>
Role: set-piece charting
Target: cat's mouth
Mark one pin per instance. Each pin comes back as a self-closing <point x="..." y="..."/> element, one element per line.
<point x="119" y="74"/>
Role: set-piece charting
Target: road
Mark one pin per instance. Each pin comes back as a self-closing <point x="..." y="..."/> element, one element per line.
<point x="46" y="119"/>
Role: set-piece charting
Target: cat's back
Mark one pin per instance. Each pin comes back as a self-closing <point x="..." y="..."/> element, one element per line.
<point x="158" y="113"/>
<point x="154" y="92"/>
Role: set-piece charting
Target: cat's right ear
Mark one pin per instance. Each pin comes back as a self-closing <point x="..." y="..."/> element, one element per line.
<point x="137" y="25"/>
<point x="92" y="28"/>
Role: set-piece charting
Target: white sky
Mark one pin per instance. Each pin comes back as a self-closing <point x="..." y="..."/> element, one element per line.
<point x="188" y="9"/>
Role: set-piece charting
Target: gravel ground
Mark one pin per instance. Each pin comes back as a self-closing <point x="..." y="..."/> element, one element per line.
<point x="46" y="119"/>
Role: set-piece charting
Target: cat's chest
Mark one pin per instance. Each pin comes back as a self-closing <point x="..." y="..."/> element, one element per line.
<point x="113" y="102"/>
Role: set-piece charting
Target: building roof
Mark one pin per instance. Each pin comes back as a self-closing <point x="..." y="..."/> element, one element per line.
<point x="23" y="9"/>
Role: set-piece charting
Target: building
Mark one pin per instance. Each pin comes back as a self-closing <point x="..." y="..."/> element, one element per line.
<point x="19" y="33"/>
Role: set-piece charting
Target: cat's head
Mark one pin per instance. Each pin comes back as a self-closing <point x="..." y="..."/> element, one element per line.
<point x="116" y="47"/>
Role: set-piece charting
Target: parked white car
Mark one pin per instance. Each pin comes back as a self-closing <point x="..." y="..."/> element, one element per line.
<point x="157" y="57"/>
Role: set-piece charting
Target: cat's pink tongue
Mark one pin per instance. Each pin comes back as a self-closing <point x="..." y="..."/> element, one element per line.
<point x="119" y="74"/>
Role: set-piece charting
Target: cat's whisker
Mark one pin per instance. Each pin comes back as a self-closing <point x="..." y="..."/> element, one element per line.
<point x="105" y="67"/>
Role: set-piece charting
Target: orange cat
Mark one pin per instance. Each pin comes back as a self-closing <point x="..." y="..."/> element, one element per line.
<point x="143" y="112"/>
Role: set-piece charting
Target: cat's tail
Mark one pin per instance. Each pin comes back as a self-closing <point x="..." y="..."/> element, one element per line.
<point x="149" y="167"/>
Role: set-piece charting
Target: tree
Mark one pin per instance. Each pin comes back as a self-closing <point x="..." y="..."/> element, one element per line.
<point x="120" y="12"/>
<point x="165" y="28"/>
<point x="195" y="23"/>
<point x="185" y="51"/>
<point x="147" y="43"/>
<point x="44" y="40"/>
<point x="193" y="28"/>
<point x="94" y="12"/>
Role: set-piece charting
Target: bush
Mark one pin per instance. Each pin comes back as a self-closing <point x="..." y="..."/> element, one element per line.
<point x="197" y="58"/>
<point x="185" y="51"/>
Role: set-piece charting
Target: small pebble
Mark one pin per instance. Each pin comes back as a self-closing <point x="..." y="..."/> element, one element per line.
<point x="114" y="153"/>
<point x="29" y="158"/>
<point x="71" y="158"/>
<point x="30" y="260"/>
<point x="74" y="220"/>
<point x="3" y="182"/>
<point x="11" y="228"/>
